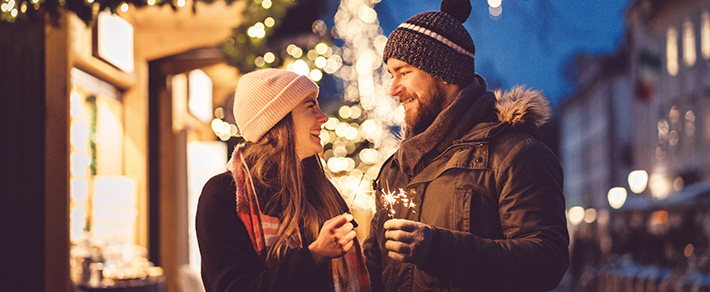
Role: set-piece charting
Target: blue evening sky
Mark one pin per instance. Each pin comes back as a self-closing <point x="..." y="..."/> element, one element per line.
<point x="531" y="40"/>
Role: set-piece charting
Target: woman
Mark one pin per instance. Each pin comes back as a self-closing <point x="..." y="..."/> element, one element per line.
<point x="274" y="222"/>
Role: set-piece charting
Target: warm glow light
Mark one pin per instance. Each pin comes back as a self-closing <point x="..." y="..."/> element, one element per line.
<point x="259" y="61"/>
<point x="495" y="3"/>
<point x="368" y="155"/>
<point x="78" y="163"/>
<point x="321" y="62"/>
<point x="266" y="4"/>
<point x="78" y="136"/>
<point x="269" y="21"/>
<point x="678" y="183"/>
<point x="689" y="250"/>
<point x="269" y="57"/>
<point x="688" y="44"/>
<point x="74" y="104"/>
<point x="617" y="197"/>
<point x="297" y="52"/>
<point x="315" y="75"/>
<point x="355" y="112"/>
<point x="331" y="123"/>
<point x="367" y="14"/>
<point x="79" y="190"/>
<point x="14" y="12"/>
<point x="321" y="48"/>
<point x="344" y="112"/>
<point x="672" y="51"/>
<point x="575" y="215"/>
<point x="659" y="185"/>
<point x="124" y="6"/>
<point x="638" y="179"/>
<point x="301" y="67"/>
<point x="590" y="215"/>
<point x="150" y="2"/>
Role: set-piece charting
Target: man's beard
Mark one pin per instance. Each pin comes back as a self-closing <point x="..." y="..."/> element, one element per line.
<point x="427" y="112"/>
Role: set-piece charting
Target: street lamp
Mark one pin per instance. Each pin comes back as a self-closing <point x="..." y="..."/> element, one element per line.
<point x="638" y="179"/>
<point x="617" y="197"/>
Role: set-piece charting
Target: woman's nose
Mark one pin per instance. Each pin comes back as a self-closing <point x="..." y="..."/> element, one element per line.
<point x="322" y="118"/>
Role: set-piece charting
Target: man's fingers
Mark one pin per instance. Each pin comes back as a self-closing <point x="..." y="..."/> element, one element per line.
<point x="399" y="235"/>
<point x="398" y="247"/>
<point x="400" y="224"/>
<point x="393" y="224"/>
<point x="395" y="256"/>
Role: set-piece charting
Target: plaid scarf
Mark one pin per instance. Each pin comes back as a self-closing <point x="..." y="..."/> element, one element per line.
<point x="262" y="228"/>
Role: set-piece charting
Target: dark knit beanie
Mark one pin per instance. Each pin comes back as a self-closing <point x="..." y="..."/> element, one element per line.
<point x="437" y="43"/>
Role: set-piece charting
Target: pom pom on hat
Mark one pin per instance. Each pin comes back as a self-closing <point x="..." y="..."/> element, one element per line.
<point x="437" y="43"/>
<point x="264" y="97"/>
<point x="459" y="9"/>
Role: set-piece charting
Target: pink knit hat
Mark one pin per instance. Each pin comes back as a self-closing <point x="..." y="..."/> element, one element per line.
<point x="264" y="97"/>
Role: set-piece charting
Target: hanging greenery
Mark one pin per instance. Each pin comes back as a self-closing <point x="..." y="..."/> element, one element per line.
<point x="248" y="40"/>
<point x="24" y="10"/>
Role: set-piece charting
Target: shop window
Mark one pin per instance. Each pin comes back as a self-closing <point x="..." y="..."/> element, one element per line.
<point x="688" y="44"/>
<point x="672" y="51"/>
<point x="705" y="35"/>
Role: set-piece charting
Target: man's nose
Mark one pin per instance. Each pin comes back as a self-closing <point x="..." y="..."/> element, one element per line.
<point x="395" y="88"/>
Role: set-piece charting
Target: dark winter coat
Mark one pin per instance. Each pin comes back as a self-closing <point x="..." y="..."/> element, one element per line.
<point x="492" y="194"/>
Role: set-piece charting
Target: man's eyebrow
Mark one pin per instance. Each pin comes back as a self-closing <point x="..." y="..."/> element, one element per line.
<point x="395" y="69"/>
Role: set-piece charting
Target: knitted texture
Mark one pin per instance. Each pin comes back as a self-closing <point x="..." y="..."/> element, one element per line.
<point x="436" y="43"/>
<point x="264" y="97"/>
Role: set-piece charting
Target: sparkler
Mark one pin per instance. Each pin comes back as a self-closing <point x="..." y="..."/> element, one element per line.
<point x="390" y="199"/>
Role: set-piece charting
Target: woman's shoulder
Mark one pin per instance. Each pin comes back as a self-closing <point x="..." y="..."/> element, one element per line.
<point x="220" y="185"/>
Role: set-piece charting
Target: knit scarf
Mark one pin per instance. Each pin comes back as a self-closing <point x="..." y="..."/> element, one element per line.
<point x="262" y="228"/>
<point x="473" y="105"/>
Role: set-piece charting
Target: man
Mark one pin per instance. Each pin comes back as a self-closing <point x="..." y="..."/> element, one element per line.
<point x="487" y="209"/>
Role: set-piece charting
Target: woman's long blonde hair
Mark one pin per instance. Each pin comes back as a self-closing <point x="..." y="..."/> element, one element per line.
<point x="300" y="188"/>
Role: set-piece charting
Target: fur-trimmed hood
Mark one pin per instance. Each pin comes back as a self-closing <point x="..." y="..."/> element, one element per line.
<point x="522" y="105"/>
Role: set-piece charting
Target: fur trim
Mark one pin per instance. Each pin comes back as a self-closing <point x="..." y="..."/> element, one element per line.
<point x="521" y="105"/>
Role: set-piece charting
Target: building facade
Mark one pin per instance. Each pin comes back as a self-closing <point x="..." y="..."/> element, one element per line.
<point x="670" y="68"/>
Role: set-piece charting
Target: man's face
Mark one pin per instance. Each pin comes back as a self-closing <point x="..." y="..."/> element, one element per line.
<point x="421" y="94"/>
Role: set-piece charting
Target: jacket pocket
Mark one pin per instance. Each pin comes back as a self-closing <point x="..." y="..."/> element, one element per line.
<point x="461" y="209"/>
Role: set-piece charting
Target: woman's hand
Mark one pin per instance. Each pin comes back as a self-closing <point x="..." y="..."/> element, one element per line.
<point x="334" y="240"/>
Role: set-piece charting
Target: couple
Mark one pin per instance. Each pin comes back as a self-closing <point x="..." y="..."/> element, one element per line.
<point x="490" y="210"/>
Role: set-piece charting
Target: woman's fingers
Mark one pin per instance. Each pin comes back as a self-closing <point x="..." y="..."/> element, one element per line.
<point x="338" y="221"/>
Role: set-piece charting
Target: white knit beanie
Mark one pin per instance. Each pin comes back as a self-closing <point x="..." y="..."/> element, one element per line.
<point x="264" y="97"/>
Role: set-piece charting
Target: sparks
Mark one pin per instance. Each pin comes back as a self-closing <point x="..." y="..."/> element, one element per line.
<point x="390" y="199"/>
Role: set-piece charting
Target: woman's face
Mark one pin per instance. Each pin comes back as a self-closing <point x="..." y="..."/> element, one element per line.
<point x="307" y="121"/>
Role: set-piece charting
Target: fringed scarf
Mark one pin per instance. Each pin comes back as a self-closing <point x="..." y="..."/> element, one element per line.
<point x="262" y="228"/>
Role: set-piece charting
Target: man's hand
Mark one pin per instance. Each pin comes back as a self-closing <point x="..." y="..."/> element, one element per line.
<point x="408" y="241"/>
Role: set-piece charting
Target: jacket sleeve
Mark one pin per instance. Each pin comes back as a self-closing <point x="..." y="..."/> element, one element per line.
<point x="372" y="251"/>
<point x="533" y="256"/>
<point x="229" y="261"/>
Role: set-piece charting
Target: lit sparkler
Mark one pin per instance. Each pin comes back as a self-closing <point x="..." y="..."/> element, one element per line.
<point x="390" y="199"/>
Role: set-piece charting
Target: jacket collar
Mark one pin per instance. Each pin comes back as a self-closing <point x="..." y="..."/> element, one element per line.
<point x="473" y="105"/>
<point x="475" y="115"/>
